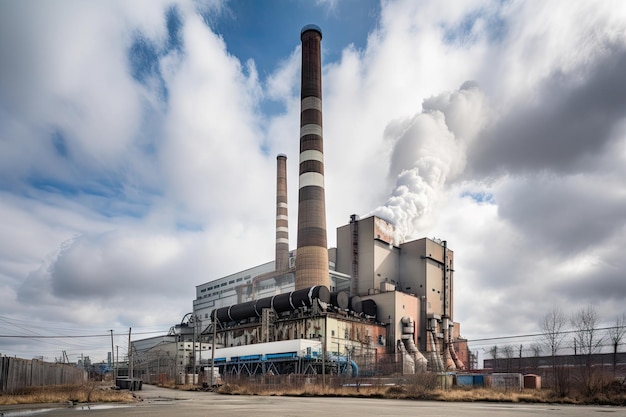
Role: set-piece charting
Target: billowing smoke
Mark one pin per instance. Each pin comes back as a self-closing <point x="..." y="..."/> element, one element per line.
<point x="429" y="150"/>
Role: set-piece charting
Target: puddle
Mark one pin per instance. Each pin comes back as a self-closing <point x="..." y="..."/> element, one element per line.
<point x="80" y="407"/>
<point x="87" y="407"/>
<point x="31" y="412"/>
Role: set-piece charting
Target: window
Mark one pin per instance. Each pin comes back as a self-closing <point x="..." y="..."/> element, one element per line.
<point x="231" y="282"/>
<point x="239" y="279"/>
<point x="223" y="284"/>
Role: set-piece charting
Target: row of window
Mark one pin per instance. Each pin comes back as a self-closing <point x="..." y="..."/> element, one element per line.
<point x="223" y="284"/>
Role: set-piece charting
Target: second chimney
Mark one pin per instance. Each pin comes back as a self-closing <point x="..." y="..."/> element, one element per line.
<point x="282" y="219"/>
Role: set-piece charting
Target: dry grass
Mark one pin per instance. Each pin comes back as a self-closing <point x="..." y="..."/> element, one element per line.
<point x="418" y="390"/>
<point x="89" y="392"/>
<point x="496" y="395"/>
<point x="309" y="390"/>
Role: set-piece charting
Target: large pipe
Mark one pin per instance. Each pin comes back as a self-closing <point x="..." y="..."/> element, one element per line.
<point x="279" y="303"/>
<point x="458" y="363"/>
<point x="312" y="251"/>
<point x="340" y="299"/>
<point x="408" y="331"/>
<point x="369" y="307"/>
<point x="355" y="304"/>
<point x="282" y="219"/>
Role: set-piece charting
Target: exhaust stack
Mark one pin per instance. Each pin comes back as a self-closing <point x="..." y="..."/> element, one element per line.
<point x="282" y="219"/>
<point x="312" y="250"/>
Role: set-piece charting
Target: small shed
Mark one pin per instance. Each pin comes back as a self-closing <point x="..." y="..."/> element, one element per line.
<point x="532" y="381"/>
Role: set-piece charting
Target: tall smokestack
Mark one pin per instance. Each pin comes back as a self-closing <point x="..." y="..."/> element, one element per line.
<point x="282" y="220"/>
<point x="312" y="254"/>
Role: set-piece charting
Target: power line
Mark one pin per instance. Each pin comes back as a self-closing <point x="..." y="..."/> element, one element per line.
<point x="67" y="336"/>
<point x="539" y="334"/>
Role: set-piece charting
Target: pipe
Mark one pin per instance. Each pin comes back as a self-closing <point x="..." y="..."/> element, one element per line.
<point x="434" y="360"/>
<point x="457" y="362"/>
<point x="355" y="304"/>
<point x="279" y="303"/>
<point x="369" y="307"/>
<point x="340" y="299"/>
<point x="355" y="369"/>
<point x="408" y="331"/>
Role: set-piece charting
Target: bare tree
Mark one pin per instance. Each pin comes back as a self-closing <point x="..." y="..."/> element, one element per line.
<point x="586" y="334"/>
<point x="552" y="329"/>
<point x="536" y="349"/>
<point x="494" y="354"/>
<point x="616" y="335"/>
<point x="588" y="341"/>
<point x="508" y="353"/>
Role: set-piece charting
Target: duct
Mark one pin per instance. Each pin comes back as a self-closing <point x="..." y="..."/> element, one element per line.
<point x="447" y="356"/>
<point x="434" y="360"/>
<point x="369" y="307"/>
<point x="448" y="361"/>
<point x="340" y="299"/>
<point x="312" y="249"/>
<point x="279" y="303"/>
<point x="438" y="350"/>
<point x="457" y="362"/>
<point x="408" y="330"/>
<point x="300" y="298"/>
<point x="408" y="364"/>
<point x="355" y="304"/>
<point x="355" y="369"/>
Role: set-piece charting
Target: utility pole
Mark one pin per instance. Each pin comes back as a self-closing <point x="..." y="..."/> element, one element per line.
<point x="200" y="372"/>
<point x="117" y="357"/>
<point x="113" y="358"/>
<point x="130" y="361"/>
<point x="214" y="320"/>
<point x="324" y="354"/>
<point x="193" y="352"/>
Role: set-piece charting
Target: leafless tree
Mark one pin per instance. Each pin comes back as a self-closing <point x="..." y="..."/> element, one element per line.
<point x="494" y="354"/>
<point x="616" y="335"/>
<point x="552" y="328"/>
<point x="588" y="341"/>
<point x="508" y="353"/>
<point x="536" y="349"/>
<point x="586" y="334"/>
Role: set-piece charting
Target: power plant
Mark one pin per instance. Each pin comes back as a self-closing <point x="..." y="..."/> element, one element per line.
<point x="372" y="305"/>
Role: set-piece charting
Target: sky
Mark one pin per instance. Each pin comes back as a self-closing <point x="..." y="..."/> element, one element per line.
<point x="138" y="145"/>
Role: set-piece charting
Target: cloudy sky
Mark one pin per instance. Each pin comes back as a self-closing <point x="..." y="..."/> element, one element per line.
<point x="138" y="146"/>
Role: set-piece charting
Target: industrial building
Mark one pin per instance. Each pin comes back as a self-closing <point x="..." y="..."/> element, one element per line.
<point x="371" y="305"/>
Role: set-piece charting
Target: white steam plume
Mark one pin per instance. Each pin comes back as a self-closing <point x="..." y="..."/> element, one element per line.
<point x="429" y="150"/>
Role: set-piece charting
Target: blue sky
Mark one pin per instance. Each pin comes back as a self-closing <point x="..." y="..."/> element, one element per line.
<point x="138" y="144"/>
<point x="263" y="30"/>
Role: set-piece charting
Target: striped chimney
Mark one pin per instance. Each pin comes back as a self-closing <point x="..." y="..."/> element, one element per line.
<point x="312" y="251"/>
<point x="282" y="220"/>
